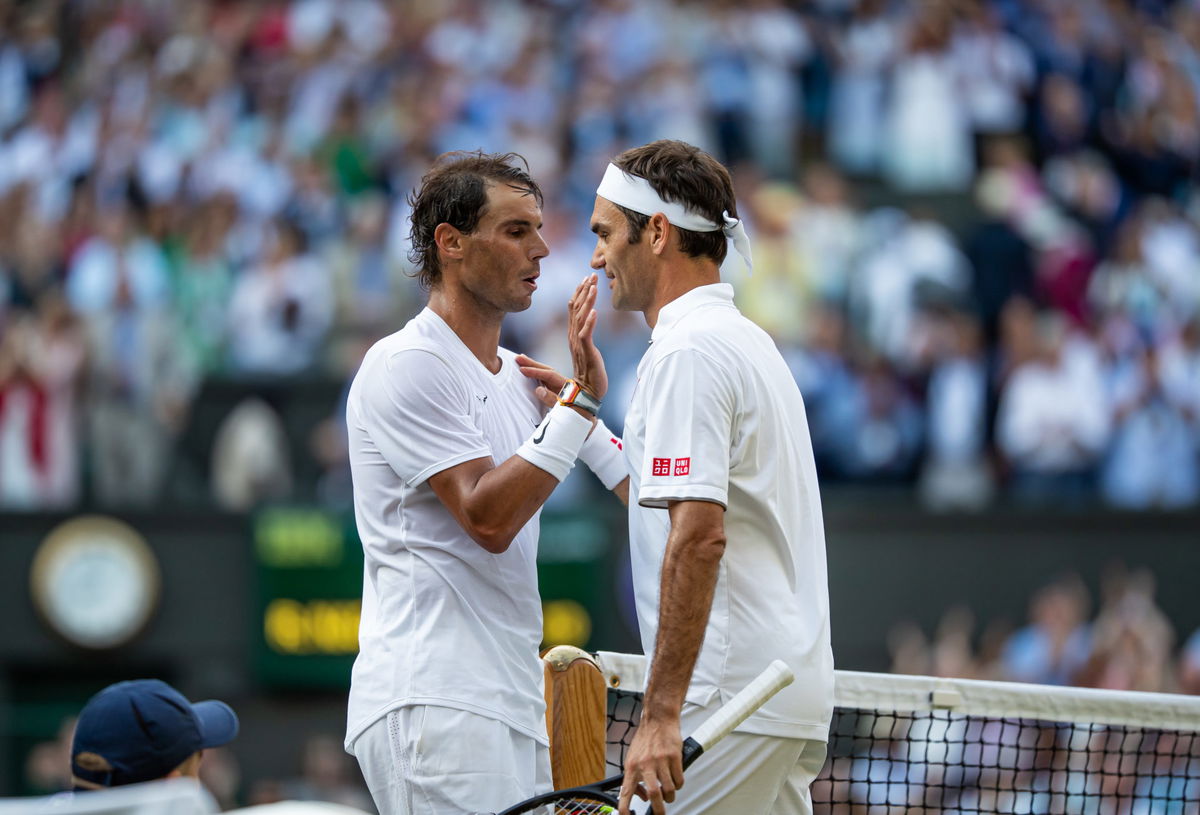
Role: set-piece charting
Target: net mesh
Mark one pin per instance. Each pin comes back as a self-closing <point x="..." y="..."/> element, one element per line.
<point x="892" y="762"/>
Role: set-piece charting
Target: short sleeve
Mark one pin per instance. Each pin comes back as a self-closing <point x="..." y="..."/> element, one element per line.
<point x="417" y="413"/>
<point x="690" y="405"/>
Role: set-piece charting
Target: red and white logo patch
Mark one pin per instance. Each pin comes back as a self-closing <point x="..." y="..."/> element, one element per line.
<point x="683" y="466"/>
<point x="662" y="466"/>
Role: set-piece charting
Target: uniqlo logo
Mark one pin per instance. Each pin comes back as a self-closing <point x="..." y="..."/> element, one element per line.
<point x="683" y="466"/>
<point x="662" y="466"/>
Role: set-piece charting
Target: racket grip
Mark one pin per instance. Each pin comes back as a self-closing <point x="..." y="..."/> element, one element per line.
<point x="775" y="678"/>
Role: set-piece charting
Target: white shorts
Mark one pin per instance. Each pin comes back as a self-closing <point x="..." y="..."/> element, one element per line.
<point x="748" y="774"/>
<point x="427" y="760"/>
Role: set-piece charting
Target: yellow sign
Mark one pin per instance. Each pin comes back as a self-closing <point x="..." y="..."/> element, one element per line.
<point x="565" y="622"/>
<point x="312" y="626"/>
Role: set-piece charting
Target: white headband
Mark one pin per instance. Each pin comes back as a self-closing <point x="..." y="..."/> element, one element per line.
<point x="635" y="193"/>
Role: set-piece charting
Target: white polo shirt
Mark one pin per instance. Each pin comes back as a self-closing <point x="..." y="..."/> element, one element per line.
<point x="716" y="416"/>
<point x="444" y="622"/>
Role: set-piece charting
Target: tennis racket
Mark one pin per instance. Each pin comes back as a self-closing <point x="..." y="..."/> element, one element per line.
<point x="601" y="797"/>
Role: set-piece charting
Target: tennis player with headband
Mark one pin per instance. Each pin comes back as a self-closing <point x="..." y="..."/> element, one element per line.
<point x="725" y="527"/>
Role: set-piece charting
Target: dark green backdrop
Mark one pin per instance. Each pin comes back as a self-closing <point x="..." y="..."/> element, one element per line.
<point x="224" y="576"/>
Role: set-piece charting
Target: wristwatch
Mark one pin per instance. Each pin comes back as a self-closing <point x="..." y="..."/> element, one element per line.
<point x="573" y="395"/>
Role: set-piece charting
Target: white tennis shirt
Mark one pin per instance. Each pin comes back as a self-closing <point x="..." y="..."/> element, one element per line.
<point x="444" y="622"/>
<point x="716" y="416"/>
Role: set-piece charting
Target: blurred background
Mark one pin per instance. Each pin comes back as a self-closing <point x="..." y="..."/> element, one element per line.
<point x="977" y="239"/>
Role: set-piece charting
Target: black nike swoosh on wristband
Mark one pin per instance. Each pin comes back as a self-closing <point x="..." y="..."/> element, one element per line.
<point x="538" y="438"/>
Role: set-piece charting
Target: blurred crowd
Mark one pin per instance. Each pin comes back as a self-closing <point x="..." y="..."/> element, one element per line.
<point x="975" y="221"/>
<point x="1127" y="643"/>
<point x="1001" y="764"/>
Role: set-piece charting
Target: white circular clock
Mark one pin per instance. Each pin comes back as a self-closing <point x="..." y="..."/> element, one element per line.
<point x="96" y="582"/>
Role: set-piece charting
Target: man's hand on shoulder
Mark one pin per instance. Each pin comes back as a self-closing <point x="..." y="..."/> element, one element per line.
<point x="549" y="381"/>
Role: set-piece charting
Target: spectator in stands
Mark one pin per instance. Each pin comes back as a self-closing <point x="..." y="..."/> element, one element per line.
<point x="777" y="44"/>
<point x="1189" y="665"/>
<point x="280" y="309"/>
<point x="1086" y="186"/>
<point x="863" y="52"/>
<point x="1061" y="118"/>
<point x="369" y="289"/>
<point x="776" y="297"/>
<point x="144" y="730"/>
<point x="929" y="147"/>
<point x="140" y="382"/>
<point x="996" y="70"/>
<point x="118" y="269"/>
<point x="956" y="473"/>
<point x="1171" y="247"/>
<point x="1131" y="638"/>
<point x="203" y="282"/>
<point x="1000" y="258"/>
<point x="48" y="765"/>
<point x="825" y="378"/>
<point x="1180" y="372"/>
<point x="1055" y="644"/>
<point x="42" y="358"/>
<point x="1152" y="460"/>
<point x="827" y="228"/>
<point x="1122" y="285"/>
<point x="1053" y="419"/>
<point x="35" y="265"/>
<point x="221" y="775"/>
<point x="250" y="458"/>
<point x="326" y="776"/>
<point x="917" y="262"/>
<point x="876" y="427"/>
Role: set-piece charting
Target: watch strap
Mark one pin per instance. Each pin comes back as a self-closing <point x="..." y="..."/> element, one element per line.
<point x="573" y="395"/>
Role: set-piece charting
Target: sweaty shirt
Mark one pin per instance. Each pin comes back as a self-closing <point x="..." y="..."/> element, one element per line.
<point x="444" y="622"/>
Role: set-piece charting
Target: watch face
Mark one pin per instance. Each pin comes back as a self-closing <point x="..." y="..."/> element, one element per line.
<point x="95" y="582"/>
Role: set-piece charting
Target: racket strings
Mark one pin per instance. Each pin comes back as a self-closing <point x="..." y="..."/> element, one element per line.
<point x="574" y="806"/>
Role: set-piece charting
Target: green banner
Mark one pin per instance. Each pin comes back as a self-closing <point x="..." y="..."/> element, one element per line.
<point x="309" y="565"/>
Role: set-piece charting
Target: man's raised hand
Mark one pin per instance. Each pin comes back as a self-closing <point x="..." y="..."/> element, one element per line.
<point x="585" y="356"/>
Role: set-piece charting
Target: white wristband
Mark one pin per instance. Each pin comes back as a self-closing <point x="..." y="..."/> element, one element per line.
<point x="605" y="455"/>
<point x="555" y="444"/>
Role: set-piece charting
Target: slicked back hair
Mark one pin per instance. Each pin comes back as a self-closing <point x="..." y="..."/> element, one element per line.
<point x="684" y="174"/>
<point x="455" y="192"/>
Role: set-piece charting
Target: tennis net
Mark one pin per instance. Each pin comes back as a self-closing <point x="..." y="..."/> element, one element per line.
<point x="915" y="745"/>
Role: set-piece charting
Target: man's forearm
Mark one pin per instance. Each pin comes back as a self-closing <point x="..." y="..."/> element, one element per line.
<point x="506" y="497"/>
<point x="689" y="578"/>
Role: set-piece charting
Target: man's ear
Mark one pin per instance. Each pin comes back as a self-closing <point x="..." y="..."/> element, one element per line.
<point x="449" y="241"/>
<point x="660" y="233"/>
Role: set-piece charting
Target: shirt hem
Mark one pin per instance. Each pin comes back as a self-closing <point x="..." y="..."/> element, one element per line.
<point x="659" y="497"/>
<point x="446" y="464"/>
<point x="353" y="733"/>
<point x="787" y="730"/>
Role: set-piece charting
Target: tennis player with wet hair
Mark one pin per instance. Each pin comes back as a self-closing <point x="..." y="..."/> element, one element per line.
<point x="452" y="455"/>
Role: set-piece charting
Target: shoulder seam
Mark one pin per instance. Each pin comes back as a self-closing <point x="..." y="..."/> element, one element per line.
<point x="708" y="357"/>
<point x="433" y="351"/>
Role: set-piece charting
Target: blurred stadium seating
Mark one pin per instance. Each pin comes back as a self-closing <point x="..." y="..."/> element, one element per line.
<point x="976" y="238"/>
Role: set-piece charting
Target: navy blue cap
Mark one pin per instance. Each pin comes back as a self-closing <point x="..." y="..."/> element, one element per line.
<point x="141" y="730"/>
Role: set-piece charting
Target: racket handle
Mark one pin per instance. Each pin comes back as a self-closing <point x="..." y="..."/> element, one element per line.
<point x="775" y="678"/>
